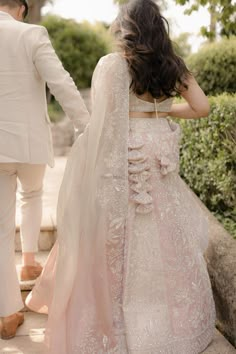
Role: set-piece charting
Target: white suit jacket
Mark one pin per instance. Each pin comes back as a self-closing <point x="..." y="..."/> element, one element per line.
<point x="27" y="62"/>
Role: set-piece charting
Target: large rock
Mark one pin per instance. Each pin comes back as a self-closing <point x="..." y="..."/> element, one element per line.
<point x="221" y="262"/>
<point x="219" y="345"/>
<point x="221" y="259"/>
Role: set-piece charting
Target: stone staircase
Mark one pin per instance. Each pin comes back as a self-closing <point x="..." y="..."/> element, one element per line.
<point x="30" y="336"/>
<point x="29" y="339"/>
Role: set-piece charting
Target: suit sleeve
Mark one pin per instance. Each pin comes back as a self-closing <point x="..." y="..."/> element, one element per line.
<point x="58" y="80"/>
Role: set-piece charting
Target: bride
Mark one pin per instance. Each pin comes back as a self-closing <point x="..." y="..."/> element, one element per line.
<point x="127" y="273"/>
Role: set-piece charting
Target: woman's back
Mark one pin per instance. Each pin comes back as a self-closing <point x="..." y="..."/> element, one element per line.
<point x="149" y="106"/>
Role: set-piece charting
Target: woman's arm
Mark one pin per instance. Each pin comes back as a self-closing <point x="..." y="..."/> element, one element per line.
<point x="196" y="105"/>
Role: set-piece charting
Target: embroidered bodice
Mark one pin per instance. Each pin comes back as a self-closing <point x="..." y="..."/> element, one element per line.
<point x="136" y="104"/>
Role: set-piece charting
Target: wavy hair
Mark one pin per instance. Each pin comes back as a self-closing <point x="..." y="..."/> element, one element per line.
<point x="142" y="34"/>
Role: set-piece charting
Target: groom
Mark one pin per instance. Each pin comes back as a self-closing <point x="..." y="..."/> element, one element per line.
<point x="27" y="62"/>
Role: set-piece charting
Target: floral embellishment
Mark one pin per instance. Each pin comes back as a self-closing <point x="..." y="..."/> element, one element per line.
<point x="166" y="165"/>
<point x="117" y="224"/>
<point x="139" y="175"/>
<point x="168" y="152"/>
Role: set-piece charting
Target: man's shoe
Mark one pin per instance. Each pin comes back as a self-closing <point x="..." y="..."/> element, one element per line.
<point x="10" y="324"/>
<point x="30" y="272"/>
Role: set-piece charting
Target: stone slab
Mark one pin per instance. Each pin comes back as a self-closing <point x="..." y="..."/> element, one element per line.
<point x="29" y="338"/>
<point x="220" y="346"/>
<point x="46" y="239"/>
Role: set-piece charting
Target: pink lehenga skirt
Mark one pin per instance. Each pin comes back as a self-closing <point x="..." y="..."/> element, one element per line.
<point x="166" y="302"/>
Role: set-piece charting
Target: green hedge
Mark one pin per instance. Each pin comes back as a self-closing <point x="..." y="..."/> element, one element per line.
<point x="78" y="45"/>
<point x="55" y="111"/>
<point x="214" y="67"/>
<point x="208" y="158"/>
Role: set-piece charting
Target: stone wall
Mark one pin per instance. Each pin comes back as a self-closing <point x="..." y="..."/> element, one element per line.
<point x="63" y="131"/>
<point x="62" y="136"/>
<point x="221" y="262"/>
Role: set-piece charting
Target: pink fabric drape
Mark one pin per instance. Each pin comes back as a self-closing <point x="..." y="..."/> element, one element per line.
<point x="92" y="210"/>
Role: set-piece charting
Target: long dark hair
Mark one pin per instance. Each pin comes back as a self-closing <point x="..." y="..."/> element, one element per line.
<point x="143" y="36"/>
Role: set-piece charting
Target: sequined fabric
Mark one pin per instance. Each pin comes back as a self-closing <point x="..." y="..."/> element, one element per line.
<point x="165" y="159"/>
<point x="138" y="105"/>
<point x="167" y="298"/>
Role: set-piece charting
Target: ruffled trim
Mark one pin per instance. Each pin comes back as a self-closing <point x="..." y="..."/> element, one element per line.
<point x="139" y="169"/>
<point x="168" y="155"/>
<point x="139" y="175"/>
<point x="166" y="164"/>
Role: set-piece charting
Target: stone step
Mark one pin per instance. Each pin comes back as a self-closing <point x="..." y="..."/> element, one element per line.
<point x="30" y="336"/>
<point x="47" y="237"/>
<point x="29" y="339"/>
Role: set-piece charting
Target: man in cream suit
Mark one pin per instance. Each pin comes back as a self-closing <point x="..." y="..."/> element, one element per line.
<point x="27" y="62"/>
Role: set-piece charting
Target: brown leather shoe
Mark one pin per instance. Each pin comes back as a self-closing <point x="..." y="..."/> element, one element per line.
<point x="30" y="272"/>
<point x="10" y="324"/>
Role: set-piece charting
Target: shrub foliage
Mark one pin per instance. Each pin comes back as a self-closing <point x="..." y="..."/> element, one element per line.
<point x="78" y="45"/>
<point x="208" y="158"/>
<point x="214" y="67"/>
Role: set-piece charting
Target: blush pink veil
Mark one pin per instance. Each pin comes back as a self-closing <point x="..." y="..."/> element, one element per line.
<point x="81" y="284"/>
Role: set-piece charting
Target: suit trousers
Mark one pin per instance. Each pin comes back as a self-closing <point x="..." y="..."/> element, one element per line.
<point x="30" y="178"/>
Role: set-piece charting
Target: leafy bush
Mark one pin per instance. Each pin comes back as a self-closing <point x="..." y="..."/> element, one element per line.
<point x="214" y="67"/>
<point x="208" y="158"/>
<point x="181" y="45"/>
<point x="55" y="111"/>
<point x="78" y="45"/>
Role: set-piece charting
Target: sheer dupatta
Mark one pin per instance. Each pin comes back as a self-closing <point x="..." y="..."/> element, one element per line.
<point x="92" y="210"/>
